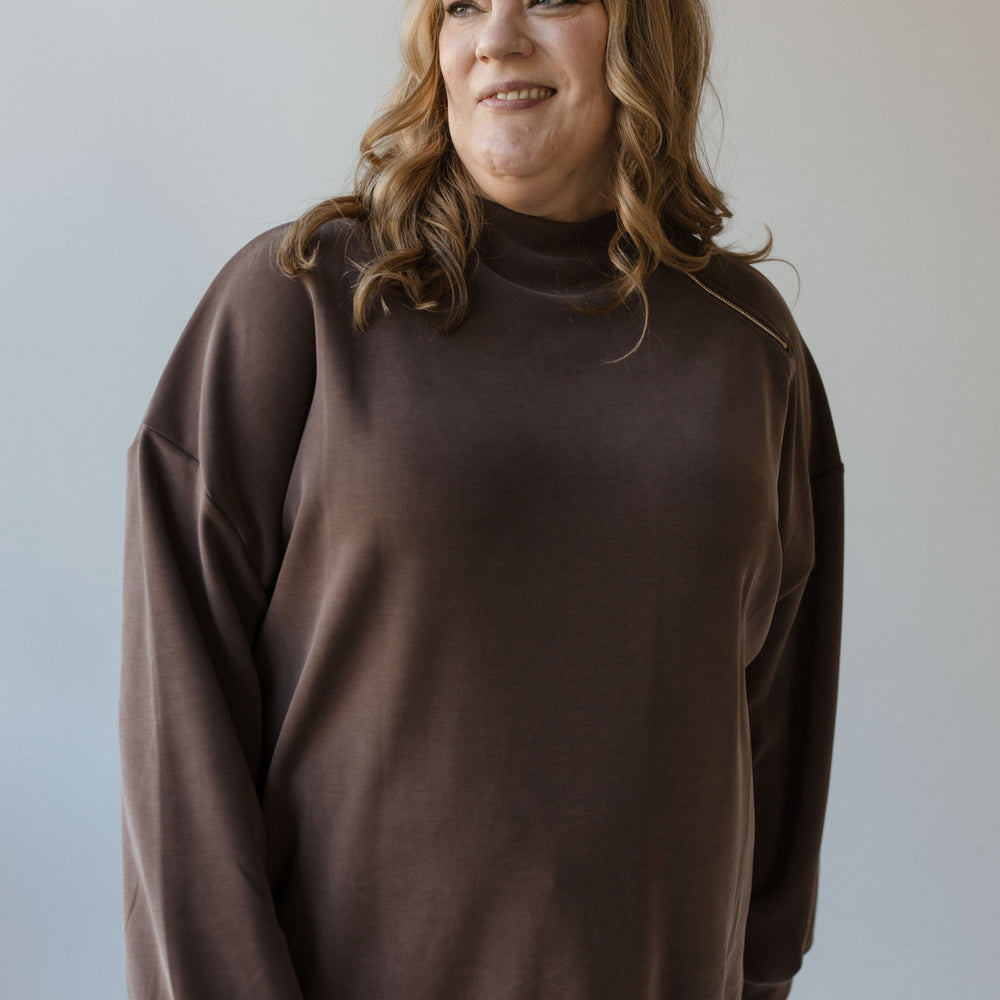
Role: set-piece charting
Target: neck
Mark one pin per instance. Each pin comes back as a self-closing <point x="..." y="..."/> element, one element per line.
<point x="558" y="202"/>
<point x="553" y="256"/>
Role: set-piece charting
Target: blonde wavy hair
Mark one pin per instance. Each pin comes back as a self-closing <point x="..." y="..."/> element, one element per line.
<point x="421" y="214"/>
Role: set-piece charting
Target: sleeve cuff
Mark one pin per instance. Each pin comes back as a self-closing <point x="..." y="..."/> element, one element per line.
<point x="766" y="991"/>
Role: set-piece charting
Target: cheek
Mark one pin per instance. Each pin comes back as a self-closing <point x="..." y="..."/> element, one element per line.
<point x="448" y="63"/>
<point x="583" y="53"/>
<point x="597" y="71"/>
<point x="456" y="53"/>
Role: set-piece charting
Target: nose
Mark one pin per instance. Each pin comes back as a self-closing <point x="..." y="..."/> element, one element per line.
<point x="504" y="34"/>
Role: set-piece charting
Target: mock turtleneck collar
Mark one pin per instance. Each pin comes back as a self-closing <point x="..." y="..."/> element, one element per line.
<point x="569" y="258"/>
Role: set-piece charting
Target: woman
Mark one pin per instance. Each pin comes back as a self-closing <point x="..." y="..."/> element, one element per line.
<point x="483" y="562"/>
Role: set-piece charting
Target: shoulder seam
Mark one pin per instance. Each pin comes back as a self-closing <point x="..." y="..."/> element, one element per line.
<point x="144" y="426"/>
<point x="744" y="311"/>
<point x="204" y="487"/>
<point x="833" y="470"/>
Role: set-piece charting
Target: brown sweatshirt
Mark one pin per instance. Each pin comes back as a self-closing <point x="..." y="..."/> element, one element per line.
<point x="474" y="666"/>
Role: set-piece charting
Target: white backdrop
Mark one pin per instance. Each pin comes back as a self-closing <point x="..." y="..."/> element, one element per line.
<point x="142" y="146"/>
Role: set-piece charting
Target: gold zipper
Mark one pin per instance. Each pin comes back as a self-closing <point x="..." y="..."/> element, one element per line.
<point x="732" y="305"/>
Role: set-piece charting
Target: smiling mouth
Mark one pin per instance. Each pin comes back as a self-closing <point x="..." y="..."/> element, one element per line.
<point x="525" y="94"/>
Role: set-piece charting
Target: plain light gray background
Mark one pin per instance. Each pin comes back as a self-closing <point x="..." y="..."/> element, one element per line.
<point x="143" y="145"/>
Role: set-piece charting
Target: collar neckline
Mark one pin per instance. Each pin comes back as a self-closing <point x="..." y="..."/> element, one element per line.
<point x="561" y="258"/>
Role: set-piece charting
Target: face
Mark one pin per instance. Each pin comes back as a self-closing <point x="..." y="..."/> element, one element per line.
<point x="529" y="109"/>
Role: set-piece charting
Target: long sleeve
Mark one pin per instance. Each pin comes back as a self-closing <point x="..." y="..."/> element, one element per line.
<point x="199" y="916"/>
<point x="791" y="693"/>
<point x="206" y="475"/>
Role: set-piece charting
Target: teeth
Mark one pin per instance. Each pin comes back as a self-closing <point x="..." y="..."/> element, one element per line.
<point x="530" y="93"/>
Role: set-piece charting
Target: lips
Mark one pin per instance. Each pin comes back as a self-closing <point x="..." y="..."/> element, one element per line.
<point x="516" y="90"/>
<point x="528" y="94"/>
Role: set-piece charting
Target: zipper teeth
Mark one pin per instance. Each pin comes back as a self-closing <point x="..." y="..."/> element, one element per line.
<point x="736" y="308"/>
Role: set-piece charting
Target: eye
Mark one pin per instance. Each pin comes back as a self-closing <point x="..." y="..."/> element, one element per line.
<point x="461" y="8"/>
<point x="553" y="3"/>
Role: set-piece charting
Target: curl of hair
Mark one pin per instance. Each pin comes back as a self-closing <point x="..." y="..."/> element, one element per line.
<point x="421" y="214"/>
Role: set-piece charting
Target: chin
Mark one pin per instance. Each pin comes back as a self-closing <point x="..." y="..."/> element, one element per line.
<point x="511" y="163"/>
<point x="513" y="172"/>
